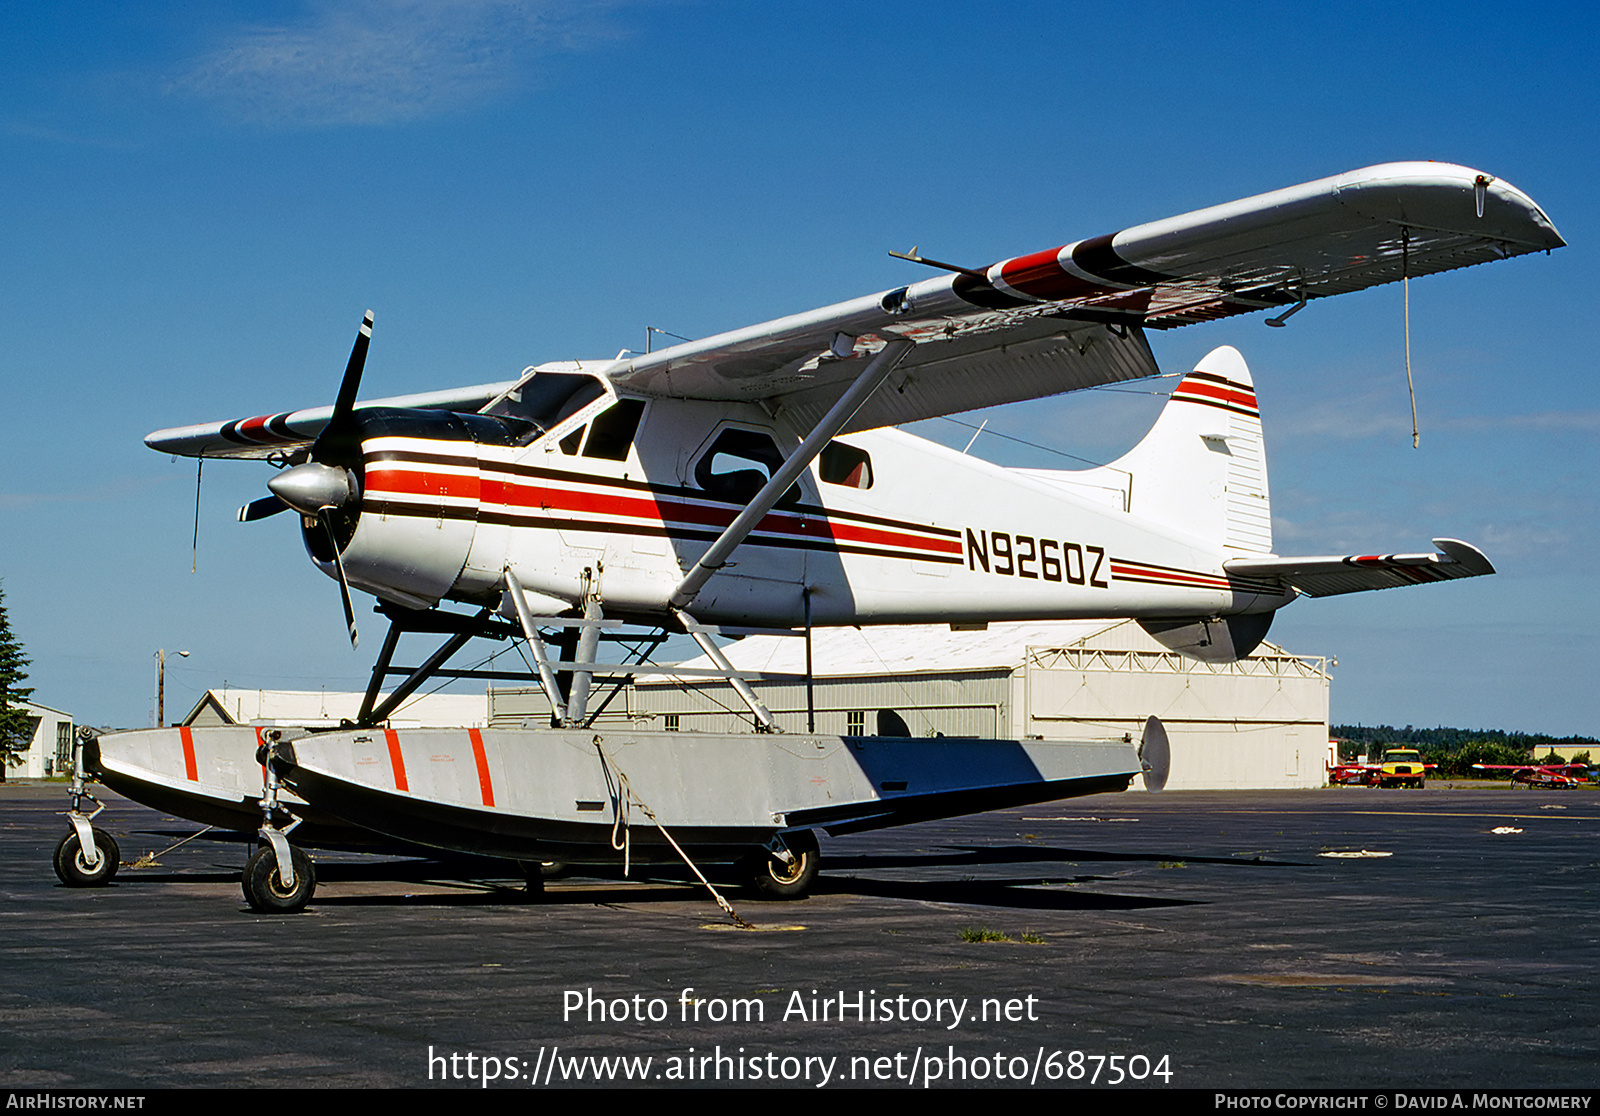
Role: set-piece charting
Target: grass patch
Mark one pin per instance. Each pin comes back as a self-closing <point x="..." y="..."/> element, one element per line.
<point x="983" y="934"/>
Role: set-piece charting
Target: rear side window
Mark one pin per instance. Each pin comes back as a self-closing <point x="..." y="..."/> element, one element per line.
<point x="738" y="463"/>
<point x="845" y="465"/>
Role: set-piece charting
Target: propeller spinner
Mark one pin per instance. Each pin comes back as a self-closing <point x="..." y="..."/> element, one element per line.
<point x="327" y="482"/>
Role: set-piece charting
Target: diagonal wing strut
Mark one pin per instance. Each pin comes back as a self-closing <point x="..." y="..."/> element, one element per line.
<point x="712" y="560"/>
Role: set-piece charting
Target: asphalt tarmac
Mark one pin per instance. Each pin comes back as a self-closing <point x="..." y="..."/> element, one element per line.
<point x="1186" y="940"/>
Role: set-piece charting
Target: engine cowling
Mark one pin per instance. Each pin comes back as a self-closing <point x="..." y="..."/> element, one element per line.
<point x="406" y="535"/>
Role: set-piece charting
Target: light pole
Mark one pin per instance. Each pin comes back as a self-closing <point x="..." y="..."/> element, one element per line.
<point x="161" y="685"/>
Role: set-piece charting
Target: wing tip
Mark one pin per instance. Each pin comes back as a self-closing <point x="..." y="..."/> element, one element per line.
<point x="1466" y="555"/>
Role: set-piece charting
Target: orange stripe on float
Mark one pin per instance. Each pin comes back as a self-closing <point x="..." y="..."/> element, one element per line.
<point x="396" y="760"/>
<point x="483" y="766"/>
<point x="190" y="768"/>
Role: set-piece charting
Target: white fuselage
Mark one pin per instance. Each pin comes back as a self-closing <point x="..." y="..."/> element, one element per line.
<point x="913" y="533"/>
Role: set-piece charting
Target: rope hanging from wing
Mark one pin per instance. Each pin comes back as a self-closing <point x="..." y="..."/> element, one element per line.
<point x="1405" y="286"/>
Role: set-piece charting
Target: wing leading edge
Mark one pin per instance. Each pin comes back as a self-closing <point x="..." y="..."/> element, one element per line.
<point x="1025" y="327"/>
<point x="263" y="436"/>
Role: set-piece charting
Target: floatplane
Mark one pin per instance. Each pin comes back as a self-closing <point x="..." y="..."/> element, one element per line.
<point x="755" y="480"/>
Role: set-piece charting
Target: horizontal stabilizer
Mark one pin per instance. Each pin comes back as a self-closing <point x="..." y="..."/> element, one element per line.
<point x="1330" y="576"/>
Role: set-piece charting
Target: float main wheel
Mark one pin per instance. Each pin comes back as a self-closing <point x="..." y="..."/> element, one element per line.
<point x="773" y="879"/>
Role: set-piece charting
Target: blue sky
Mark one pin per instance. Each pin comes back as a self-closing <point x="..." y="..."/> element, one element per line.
<point x="200" y="201"/>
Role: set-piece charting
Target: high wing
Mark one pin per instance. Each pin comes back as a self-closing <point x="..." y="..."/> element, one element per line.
<point x="1328" y="577"/>
<point x="1025" y="327"/>
<point x="1037" y="325"/>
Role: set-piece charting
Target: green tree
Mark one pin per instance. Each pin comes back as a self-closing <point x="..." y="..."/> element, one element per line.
<point x="16" y="723"/>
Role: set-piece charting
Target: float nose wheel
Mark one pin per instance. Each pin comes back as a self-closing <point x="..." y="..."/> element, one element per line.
<point x="86" y="856"/>
<point x="265" y="888"/>
<point x="92" y="866"/>
<point x="279" y="877"/>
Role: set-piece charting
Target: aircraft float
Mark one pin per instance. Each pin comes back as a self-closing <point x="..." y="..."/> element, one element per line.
<point x="755" y="480"/>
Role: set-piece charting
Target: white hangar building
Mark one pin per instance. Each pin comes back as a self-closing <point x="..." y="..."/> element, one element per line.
<point x="321" y="709"/>
<point x="1259" y="723"/>
<point x="50" y="747"/>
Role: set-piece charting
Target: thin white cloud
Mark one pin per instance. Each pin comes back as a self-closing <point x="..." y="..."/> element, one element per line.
<point x="386" y="61"/>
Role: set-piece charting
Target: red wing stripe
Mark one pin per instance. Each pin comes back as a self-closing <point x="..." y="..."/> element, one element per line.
<point x="1041" y="275"/>
<point x="396" y="761"/>
<point x="482" y="759"/>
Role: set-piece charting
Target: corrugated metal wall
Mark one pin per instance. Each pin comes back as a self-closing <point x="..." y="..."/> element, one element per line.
<point x="1259" y="723"/>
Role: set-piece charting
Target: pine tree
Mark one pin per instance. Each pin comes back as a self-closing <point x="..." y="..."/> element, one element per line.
<point x="16" y="724"/>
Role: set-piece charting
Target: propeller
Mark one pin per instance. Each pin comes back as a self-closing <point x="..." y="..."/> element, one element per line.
<point x="327" y="481"/>
<point x="260" y="509"/>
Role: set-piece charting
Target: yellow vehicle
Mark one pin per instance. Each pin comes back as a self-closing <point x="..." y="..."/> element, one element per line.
<point x="1401" y="767"/>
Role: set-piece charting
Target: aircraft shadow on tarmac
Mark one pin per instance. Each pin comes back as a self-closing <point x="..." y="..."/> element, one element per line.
<point x="961" y="855"/>
<point x="1021" y="893"/>
<point x="468" y="881"/>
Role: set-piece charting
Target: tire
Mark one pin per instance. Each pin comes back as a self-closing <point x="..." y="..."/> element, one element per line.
<point x="70" y="866"/>
<point x="263" y="887"/>
<point x="771" y="878"/>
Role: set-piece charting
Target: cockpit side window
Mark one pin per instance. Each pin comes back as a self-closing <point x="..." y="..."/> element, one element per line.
<point x="611" y="433"/>
<point x="738" y="463"/>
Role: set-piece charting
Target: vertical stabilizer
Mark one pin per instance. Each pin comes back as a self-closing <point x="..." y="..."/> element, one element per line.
<point x="1202" y="468"/>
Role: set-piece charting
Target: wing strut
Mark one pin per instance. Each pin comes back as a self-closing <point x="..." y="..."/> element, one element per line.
<point x="547" y="677"/>
<point x="702" y="636"/>
<point x="842" y="412"/>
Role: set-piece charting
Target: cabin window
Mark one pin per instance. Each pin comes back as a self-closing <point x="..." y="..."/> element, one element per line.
<point x="738" y="464"/>
<point x="845" y="465"/>
<point x="612" y="433"/>
<point x="572" y="441"/>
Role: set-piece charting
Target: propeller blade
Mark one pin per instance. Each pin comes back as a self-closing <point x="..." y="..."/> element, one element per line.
<point x="344" y="586"/>
<point x="352" y="372"/>
<point x="330" y="445"/>
<point x="260" y="509"/>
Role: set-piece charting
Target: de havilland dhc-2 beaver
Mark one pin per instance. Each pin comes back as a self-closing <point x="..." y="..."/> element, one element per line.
<point x="755" y="480"/>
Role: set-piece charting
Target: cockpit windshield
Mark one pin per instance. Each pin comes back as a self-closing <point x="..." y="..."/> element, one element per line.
<point x="545" y="398"/>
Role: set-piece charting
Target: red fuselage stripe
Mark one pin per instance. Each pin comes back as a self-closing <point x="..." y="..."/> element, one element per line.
<point x="1167" y="577"/>
<point x="536" y="497"/>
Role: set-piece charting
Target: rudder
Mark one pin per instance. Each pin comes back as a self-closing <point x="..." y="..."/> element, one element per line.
<point x="1202" y="468"/>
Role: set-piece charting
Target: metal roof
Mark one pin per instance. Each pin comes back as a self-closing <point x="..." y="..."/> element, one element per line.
<point x="906" y="648"/>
